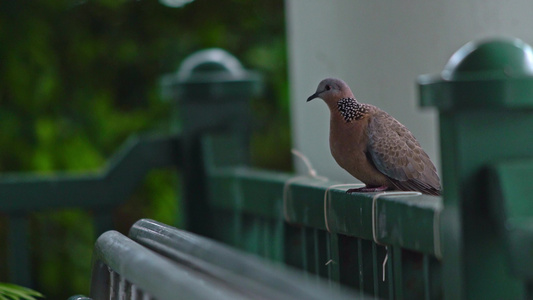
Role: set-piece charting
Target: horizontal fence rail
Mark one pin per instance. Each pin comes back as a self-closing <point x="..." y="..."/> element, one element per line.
<point x="292" y="220"/>
<point x="247" y="274"/>
<point x="22" y="193"/>
<point x="124" y="269"/>
<point x="158" y="261"/>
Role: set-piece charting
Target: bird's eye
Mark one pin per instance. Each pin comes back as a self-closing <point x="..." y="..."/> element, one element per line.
<point x="328" y="87"/>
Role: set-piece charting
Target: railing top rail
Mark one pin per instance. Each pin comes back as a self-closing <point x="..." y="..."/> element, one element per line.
<point x="150" y="272"/>
<point x="408" y="221"/>
<point x="256" y="276"/>
<point x="110" y="187"/>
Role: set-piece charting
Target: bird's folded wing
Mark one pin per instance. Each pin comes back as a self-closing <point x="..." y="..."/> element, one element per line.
<point x="397" y="154"/>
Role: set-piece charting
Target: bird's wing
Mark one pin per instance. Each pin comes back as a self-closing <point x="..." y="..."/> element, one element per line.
<point x="396" y="153"/>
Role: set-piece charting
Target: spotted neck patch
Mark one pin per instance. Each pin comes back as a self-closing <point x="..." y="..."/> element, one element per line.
<point x="351" y="110"/>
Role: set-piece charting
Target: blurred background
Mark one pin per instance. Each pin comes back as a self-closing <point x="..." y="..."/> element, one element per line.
<point x="79" y="77"/>
<point x="380" y="48"/>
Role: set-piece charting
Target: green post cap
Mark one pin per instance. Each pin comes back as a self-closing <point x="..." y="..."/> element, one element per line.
<point x="494" y="73"/>
<point x="498" y="58"/>
<point x="210" y="74"/>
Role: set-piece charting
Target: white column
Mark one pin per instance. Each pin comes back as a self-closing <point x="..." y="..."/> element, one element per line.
<point x="379" y="48"/>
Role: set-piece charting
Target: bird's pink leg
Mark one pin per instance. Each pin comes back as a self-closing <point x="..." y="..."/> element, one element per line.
<point x="368" y="189"/>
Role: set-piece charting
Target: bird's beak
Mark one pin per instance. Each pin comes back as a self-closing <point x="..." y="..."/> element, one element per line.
<point x="315" y="95"/>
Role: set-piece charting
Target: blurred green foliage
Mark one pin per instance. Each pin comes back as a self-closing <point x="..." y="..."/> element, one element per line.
<point x="77" y="77"/>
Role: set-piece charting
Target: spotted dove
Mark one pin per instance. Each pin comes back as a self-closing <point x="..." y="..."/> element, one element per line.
<point x="373" y="146"/>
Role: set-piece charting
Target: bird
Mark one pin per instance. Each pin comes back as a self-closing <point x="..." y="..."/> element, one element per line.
<point x="373" y="146"/>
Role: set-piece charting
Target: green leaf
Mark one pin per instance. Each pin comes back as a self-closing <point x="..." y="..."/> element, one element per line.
<point x="15" y="292"/>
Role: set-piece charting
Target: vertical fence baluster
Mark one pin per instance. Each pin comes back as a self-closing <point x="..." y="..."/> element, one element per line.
<point x="237" y="229"/>
<point x="390" y="271"/>
<point x="317" y="257"/>
<point x="265" y="229"/>
<point x="427" y="283"/>
<point x="304" y="251"/>
<point x="102" y="221"/>
<point x="113" y="285"/>
<point x="19" y="250"/>
<point x="396" y="263"/>
<point x="529" y="290"/>
<point x="238" y="216"/>
<point x="330" y="262"/>
<point x="375" y="269"/>
<point x="279" y="240"/>
<point x="135" y="292"/>
<point x="122" y="288"/>
<point x="256" y="236"/>
<point x="360" y="266"/>
<point x="333" y="258"/>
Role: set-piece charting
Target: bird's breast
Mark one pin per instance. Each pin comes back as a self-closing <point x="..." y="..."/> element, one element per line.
<point x="348" y="143"/>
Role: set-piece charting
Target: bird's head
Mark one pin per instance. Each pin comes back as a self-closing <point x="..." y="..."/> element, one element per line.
<point x="331" y="90"/>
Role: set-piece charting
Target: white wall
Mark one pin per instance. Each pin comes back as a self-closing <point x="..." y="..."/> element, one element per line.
<point x="379" y="48"/>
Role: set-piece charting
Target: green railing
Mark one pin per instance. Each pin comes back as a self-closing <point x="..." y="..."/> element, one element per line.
<point x="473" y="243"/>
<point x="485" y="102"/>
<point x="287" y="218"/>
<point x="101" y="193"/>
<point x="158" y="261"/>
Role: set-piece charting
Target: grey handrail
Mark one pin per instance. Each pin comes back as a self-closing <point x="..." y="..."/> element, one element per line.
<point x="250" y="274"/>
<point x="122" y="268"/>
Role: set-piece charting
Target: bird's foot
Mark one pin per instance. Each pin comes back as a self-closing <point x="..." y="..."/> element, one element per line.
<point x="368" y="189"/>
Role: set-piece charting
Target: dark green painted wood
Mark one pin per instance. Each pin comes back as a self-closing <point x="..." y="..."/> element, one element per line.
<point x="266" y="239"/>
<point x="316" y="255"/>
<point x="237" y="225"/>
<point x="396" y="264"/>
<point x="361" y="266"/>
<point x="367" y="266"/>
<point x="511" y="186"/>
<point x="426" y="275"/>
<point x="19" y="250"/>
<point x="413" y="275"/>
<point x="332" y="253"/>
<point x="484" y="97"/>
<point x="100" y="192"/>
<point x="495" y="73"/>
<point x="103" y="221"/>
<point x="406" y="221"/>
<point x="278" y="240"/>
<point x="209" y="99"/>
<point x="108" y="188"/>
<point x="376" y="274"/>
<point x="383" y="286"/>
<point x="321" y="252"/>
<point x="228" y="231"/>
<point x="529" y="290"/>
<point x="390" y="272"/>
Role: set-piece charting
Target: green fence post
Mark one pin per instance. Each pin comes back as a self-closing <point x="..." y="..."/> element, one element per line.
<point x="19" y="264"/>
<point x="484" y="97"/>
<point x="213" y="92"/>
